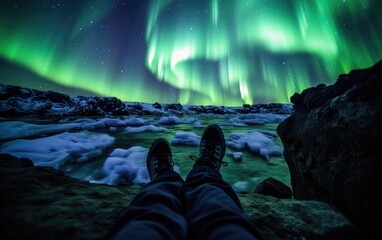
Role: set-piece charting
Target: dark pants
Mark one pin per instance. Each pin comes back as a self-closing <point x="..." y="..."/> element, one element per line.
<point x="202" y="207"/>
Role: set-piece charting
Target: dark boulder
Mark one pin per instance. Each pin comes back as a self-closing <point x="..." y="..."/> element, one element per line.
<point x="331" y="145"/>
<point x="274" y="188"/>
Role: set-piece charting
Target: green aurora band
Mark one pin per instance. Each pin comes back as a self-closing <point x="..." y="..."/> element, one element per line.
<point x="210" y="52"/>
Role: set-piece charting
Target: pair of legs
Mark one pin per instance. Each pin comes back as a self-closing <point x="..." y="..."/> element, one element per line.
<point x="203" y="206"/>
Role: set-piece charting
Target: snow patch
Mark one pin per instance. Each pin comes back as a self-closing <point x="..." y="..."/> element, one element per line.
<point x="113" y="129"/>
<point x="256" y="142"/>
<point x="103" y="123"/>
<point x="134" y="122"/>
<point x="54" y="151"/>
<point x="172" y="120"/>
<point x="148" y="128"/>
<point x="240" y="187"/>
<point x="186" y="138"/>
<point x="237" y="156"/>
<point x="198" y="124"/>
<point x="126" y="166"/>
<point x="15" y="129"/>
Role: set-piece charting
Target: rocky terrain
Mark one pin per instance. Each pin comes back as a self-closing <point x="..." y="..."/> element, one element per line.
<point x="17" y="102"/>
<point x="46" y="204"/>
<point x="331" y="142"/>
<point x="332" y="145"/>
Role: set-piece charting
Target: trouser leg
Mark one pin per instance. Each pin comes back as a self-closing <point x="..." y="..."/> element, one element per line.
<point x="157" y="212"/>
<point x="213" y="210"/>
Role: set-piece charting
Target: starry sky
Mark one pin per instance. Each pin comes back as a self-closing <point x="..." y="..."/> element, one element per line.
<point x="203" y="52"/>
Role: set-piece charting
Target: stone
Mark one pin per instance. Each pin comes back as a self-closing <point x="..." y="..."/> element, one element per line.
<point x="274" y="188"/>
<point x="332" y="145"/>
<point x="295" y="219"/>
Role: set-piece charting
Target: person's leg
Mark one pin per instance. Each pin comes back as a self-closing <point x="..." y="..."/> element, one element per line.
<point x="213" y="210"/>
<point x="157" y="212"/>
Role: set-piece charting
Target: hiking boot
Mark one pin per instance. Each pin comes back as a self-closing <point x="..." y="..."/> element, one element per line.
<point x="212" y="148"/>
<point x="159" y="159"/>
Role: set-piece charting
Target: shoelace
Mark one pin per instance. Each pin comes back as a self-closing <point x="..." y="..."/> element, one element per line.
<point x="164" y="163"/>
<point x="207" y="155"/>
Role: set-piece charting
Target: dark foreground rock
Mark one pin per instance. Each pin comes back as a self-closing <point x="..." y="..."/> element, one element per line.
<point x="43" y="203"/>
<point x="332" y="145"/>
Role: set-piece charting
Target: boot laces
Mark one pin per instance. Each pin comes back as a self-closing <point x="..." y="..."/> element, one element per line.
<point x="210" y="153"/>
<point x="164" y="162"/>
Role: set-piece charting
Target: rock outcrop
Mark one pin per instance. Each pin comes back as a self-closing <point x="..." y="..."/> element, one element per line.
<point x="332" y="145"/>
<point x="43" y="203"/>
<point x="18" y="102"/>
<point x="274" y="188"/>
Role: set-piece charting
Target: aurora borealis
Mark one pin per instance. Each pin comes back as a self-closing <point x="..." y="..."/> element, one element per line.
<point x="210" y="52"/>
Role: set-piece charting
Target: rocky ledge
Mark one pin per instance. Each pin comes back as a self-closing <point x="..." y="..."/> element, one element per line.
<point x="18" y="102"/>
<point x="332" y="145"/>
<point x="43" y="203"/>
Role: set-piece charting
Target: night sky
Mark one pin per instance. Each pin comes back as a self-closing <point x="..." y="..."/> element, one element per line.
<point x="209" y="52"/>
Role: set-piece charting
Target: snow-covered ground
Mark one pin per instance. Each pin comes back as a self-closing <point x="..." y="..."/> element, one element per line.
<point x="125" y="166"/>
<point x="56" y="150"/>
<point x="84" y="139"/>
<point x="260" y="142"/>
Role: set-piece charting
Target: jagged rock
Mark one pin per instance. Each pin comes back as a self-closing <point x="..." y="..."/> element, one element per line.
<point x="271" y="107"/>
<point x="274" y="188"/>
<point x="245" y="110"/>
<point x="354" y="82"/>
<point x="57" y="97"/>
<point x="331" y="145"/>
<point x="111" y="105"/>
<point x="175" y="108"/>
<point x="17" y="101"/>
<point x="137" y="107"/>
<point x="99" y="106"/>
<point x="157" y="105"/>
<point x="46" y="204"/>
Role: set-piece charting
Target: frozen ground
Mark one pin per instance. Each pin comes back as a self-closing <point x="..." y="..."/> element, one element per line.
<point x="113" y="150"/>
